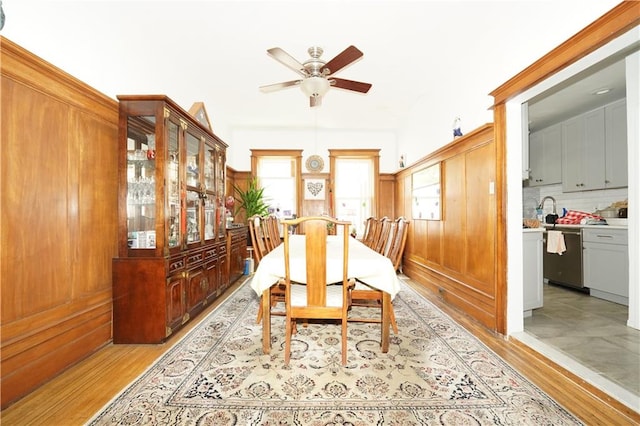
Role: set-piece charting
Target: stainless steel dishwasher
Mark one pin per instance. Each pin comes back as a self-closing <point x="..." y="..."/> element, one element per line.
<point x="565" y="269"/>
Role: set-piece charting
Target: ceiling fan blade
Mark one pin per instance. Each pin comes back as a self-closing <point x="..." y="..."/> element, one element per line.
<point x="356" y="86"/>
<point x="279" y="86"/>
<point x="347" y="57"/>
<point x="315" y="101"/>
<point x="287" y="60"/>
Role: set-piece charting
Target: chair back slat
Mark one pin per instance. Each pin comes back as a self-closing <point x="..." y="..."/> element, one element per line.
<point x="316" y="257"/>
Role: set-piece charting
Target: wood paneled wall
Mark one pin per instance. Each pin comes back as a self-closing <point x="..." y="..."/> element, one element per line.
<point x="241" y="179"/>
<point x="59" y="219"/>
<point x="456" y="256"/>
<point x="387" y="188"/>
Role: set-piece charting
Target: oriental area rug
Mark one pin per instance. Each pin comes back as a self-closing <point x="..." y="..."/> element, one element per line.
<point x="435" y="373"/>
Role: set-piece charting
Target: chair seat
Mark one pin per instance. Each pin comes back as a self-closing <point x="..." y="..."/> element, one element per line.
<point x="299" y="295"/>
<point x="362" y="286"/>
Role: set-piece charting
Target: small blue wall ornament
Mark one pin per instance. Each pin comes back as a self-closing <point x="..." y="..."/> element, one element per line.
<point x="456" y="128"/>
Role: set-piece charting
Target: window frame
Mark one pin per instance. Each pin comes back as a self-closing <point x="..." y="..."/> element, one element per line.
<point x="360" y="154"/>
<point x="295" y="154"/>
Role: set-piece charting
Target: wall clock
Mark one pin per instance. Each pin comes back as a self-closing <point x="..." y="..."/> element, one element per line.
<point x="315" y="163"/>
<point x="197" y="110"/>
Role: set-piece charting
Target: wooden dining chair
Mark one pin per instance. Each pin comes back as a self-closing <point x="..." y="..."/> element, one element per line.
<point x="383" y="235"/>
<point x="364" y="295"/>
<point x="399" y="242"/>
<point x="270" y="231"/>
<point x="369" y="226"/>
<point x="376" y="228"/>
<point x="386" y="250"/>
<point x="256" y="232"/>
<point x="257" y="240"/>
<point x="316" y="299"/>
<point x="273" y="229"/>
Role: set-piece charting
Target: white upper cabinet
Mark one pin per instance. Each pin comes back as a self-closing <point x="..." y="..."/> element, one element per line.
<point x="545" y="153"/>
<point x="616" y="174"/>
<point x="594" y="149"/>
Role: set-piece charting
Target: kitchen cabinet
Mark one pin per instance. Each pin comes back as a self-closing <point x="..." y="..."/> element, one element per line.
<point x="545" y="154"/>
<point x="532" y="265"/>
<point x="594" y="149"/>
<point x="172" y="238"/>
<point x="606" y="263"/>
<point x="616" y="146"/>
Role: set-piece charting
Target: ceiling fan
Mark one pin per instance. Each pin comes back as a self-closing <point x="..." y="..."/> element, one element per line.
<point x="318" y="75"/>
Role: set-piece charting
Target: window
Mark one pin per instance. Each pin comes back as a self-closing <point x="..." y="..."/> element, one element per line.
<point x="278" y="173"/>
<point x="354" y="174"/>
<point x="426" y="193"/>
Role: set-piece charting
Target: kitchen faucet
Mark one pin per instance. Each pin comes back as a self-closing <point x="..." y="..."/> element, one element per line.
<point x="548" y="197"/>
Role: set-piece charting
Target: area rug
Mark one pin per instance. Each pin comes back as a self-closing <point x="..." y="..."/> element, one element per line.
<point x="435" y="373"/>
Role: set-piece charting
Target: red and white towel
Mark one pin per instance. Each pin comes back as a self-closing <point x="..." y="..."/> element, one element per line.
<point x="575" y="217"/>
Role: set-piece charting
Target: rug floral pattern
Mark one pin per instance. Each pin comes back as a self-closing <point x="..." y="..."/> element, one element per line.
<point x="435" y="373"/>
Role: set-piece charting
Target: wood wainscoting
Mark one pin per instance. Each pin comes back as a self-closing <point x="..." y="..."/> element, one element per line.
<point x="455" y="257"/>
<point x="59" y="220"/>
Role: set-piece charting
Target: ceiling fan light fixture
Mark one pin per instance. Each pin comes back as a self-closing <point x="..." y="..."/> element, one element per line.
<point x="315" y="86"/>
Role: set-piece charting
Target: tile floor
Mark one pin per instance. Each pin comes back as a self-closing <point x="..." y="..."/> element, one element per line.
<point x="591" y="331"/>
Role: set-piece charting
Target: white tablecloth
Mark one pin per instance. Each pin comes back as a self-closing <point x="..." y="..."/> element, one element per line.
<point x="365" y="264"/>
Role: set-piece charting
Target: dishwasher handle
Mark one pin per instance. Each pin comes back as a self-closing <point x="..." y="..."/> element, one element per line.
<point x="567" y="233"/>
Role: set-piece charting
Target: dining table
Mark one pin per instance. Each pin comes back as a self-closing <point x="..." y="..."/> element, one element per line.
<point x="364" y="264"/>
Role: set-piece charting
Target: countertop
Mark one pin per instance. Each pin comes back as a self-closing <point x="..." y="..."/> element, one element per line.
<point x="548" y="226"/>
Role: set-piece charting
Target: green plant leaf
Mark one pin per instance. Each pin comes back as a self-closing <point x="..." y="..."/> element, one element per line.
<point x="251" y="200"/>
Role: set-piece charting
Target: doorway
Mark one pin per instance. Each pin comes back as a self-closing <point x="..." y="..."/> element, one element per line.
<point x="626" y="45"/>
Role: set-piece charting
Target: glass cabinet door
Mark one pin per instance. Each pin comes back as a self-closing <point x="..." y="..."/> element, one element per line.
<point x="210" y="192"/>
<point x="141" y="182"/>
<point x="194" y="189"/>
<point x="220" y="190"/>
<point x="209" y="218"/>
<point x="173" y="221"/>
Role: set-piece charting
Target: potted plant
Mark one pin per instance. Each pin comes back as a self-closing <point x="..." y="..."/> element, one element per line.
<point x="251" y="200"/>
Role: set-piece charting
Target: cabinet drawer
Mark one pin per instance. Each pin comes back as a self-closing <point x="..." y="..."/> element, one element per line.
<point x="605" y="236"/>
<point x="210" y="253"/>
<point x="176" y="264"/>
<point x="194" y="257"/>
<point x="238" y="237"/>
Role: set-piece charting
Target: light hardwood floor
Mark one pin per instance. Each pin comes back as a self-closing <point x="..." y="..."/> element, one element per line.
<point x="76" y="395"/>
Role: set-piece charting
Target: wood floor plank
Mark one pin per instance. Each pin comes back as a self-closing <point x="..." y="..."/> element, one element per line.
<point x="76" y="395"/>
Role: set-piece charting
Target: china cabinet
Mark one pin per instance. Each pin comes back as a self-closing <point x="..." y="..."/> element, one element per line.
<point x="172" y="238"/>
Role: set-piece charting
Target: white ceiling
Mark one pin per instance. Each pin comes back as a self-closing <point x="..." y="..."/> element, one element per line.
<point x="579" y="94"/>
<point x="440" y="57"/>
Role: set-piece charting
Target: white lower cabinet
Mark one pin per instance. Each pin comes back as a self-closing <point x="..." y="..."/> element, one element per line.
<point x="605" y="264"/>
<point x="532" y="265"/>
